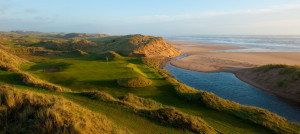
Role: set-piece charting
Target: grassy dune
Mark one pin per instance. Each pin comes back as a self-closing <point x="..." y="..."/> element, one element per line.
<point x="29" y="112"/>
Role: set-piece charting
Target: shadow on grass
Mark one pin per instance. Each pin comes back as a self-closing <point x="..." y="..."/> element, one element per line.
<point x="102" y="83"/>
<point x="43" y="66"/>
<point x="10" y="78"/>
<point x="67" y="82"/>
<point x="135" y="61"/>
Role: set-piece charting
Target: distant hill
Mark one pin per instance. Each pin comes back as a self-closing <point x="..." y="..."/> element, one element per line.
<point x="129" y="45"/>
<point x="81" y="35"/>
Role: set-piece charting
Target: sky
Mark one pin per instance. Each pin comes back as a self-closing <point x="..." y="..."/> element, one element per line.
<point x="153" y="17"/>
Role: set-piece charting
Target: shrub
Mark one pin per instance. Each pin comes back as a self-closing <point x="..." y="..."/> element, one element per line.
<point x="134" y="82"/>
<point x="29" y="112"/>
<point x="282" y="82"/>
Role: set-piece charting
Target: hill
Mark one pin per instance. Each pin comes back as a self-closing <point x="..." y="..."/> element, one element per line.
<point x="130" y="45"/>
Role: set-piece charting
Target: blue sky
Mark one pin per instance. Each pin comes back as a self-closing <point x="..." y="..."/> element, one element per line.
<point x="155" y="17"/>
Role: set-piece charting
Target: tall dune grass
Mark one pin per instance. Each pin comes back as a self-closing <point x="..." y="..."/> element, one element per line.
<point x="156" y="111"/>
<point x="29" y="112"/>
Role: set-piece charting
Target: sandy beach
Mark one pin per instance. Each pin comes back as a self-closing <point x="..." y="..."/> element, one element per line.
<point x="239" y="63"/>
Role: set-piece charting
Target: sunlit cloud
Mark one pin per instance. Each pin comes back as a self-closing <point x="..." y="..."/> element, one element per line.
<point x="202" y="15"/>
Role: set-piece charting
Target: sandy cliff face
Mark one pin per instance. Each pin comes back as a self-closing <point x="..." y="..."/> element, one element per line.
<point x="157" y="47"/>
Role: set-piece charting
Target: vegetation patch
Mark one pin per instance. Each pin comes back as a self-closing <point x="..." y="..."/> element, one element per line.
<point x="135" y="82"/>
<point x="30" y="80"/>
<point x="156" y="111"/>
<point x="79" y="52"/>
<point x="170" y="116"/>
<point x="10" y="59"/>
<point x="28" y="112"/>
<point x="113" y="56"/>
<point x="269" y="67"/>
<point x="291" y="73"/>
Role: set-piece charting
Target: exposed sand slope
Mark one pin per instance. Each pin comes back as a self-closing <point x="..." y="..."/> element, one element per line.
<point x="239" y="64"/>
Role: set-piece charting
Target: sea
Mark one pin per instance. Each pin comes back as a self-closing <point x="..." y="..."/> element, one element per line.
<point x="255" y="43"/>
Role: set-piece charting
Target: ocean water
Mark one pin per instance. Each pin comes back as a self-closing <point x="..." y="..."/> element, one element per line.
<point x="257" y="43"/>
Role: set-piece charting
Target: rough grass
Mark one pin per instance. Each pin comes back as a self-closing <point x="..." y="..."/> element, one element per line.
<point x="8" y="67"/>
<point x="170" y="116"/>
<point x="135" y="82"/>
<point x="269" y="67"/>
<point x="140" y="103"/>
<point x="9" y="59"/>
<point x="30" y="80"/>
<point x="152" y="62"/>
<point x="113" y="56"/>
<point x="28" y="112"/>
<point x="255" y="115"/>
<point x="292" y="72"/>
<point x="79" y="52"/>
<point x="156" y="111"/>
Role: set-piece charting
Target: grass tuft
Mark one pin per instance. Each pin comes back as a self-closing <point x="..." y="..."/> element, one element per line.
<point x="135" y="82"/>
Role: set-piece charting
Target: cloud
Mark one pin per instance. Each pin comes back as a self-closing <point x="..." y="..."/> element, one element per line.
<point x="3" y="9"/>
<point x="204" y="15"/>
<point x="273" y="9"/>
<point x="31" y="10"/>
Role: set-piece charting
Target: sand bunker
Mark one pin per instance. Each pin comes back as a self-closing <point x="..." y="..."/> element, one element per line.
<point x="51" y="70"/>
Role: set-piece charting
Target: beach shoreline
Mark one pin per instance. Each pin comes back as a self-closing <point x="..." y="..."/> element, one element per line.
<point x="199" y="58"/>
